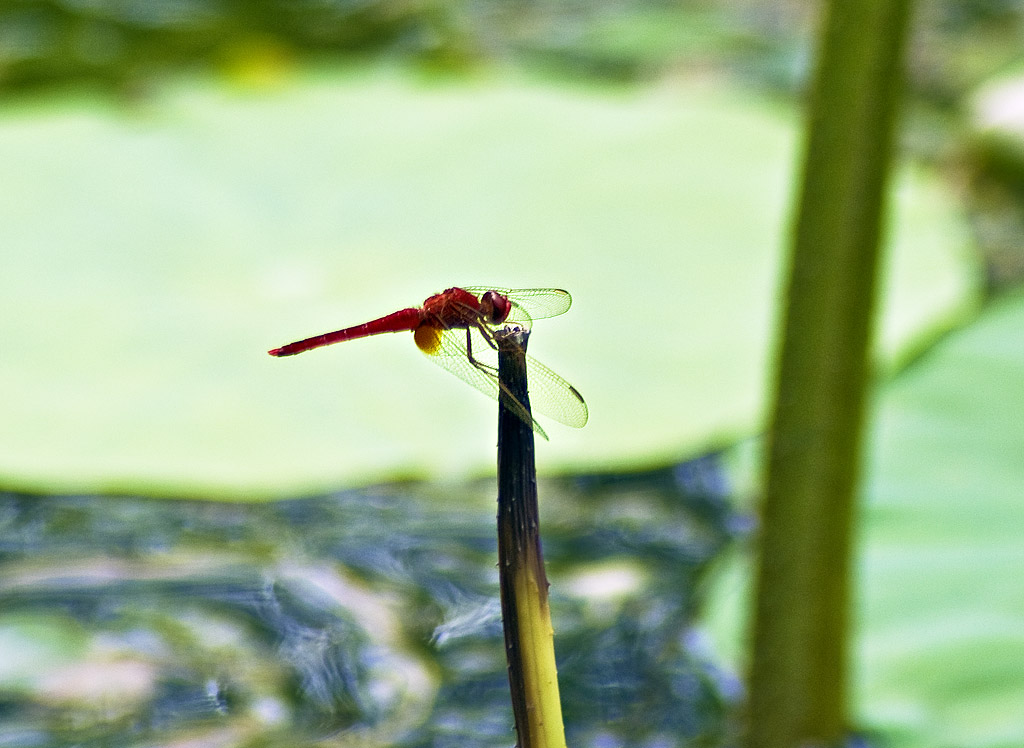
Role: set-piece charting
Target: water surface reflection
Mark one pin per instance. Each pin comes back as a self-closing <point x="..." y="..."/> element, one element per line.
<point x="364" y="617"/>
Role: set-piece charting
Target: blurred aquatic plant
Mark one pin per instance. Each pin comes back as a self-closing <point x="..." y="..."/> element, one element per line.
<point x="123" y="43"/>
<point x="800" y="659"/>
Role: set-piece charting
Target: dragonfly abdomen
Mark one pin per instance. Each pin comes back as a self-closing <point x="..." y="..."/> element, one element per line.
<point x="400" y="321"/>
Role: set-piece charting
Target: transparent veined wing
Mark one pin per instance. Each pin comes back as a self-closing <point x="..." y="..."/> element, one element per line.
<point x="470" y="355"/>
<point x="530" y="303"/>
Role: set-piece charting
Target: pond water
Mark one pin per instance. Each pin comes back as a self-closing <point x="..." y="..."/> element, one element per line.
<point x="365" y="617"/>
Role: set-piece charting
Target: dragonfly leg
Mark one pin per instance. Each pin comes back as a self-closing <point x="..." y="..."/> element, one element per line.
<point x="469" y="351"/>
<point x="504" y="395"/>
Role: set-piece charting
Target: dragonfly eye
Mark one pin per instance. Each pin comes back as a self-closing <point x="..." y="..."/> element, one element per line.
<point x="494" y="307"/>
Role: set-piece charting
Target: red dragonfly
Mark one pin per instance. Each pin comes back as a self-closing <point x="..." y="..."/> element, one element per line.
<point x="456" y="328"/>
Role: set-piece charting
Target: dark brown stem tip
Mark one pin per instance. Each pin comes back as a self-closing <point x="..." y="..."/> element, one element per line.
<point x="511" y="337"/>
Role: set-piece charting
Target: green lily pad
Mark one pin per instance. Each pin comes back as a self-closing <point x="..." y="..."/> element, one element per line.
<point x="942" y="615"/>
<point x="154" y="253"/>
<point x="940" y="646"/>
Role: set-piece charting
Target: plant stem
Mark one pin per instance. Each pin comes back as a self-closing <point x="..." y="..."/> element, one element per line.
<point x="799" y="671"/>
<point x="529" y="643"/>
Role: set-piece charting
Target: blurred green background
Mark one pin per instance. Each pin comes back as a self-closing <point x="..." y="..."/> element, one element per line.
<point x="185" y="185"/>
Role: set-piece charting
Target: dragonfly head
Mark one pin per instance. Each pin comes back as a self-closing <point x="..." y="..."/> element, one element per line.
<point x="494" y="307"/>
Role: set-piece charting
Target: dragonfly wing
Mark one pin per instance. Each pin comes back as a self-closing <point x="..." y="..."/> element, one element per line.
<point x="554" y="397"/>
<point x="530" y="303"/>
<point x="481" y="372"/>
